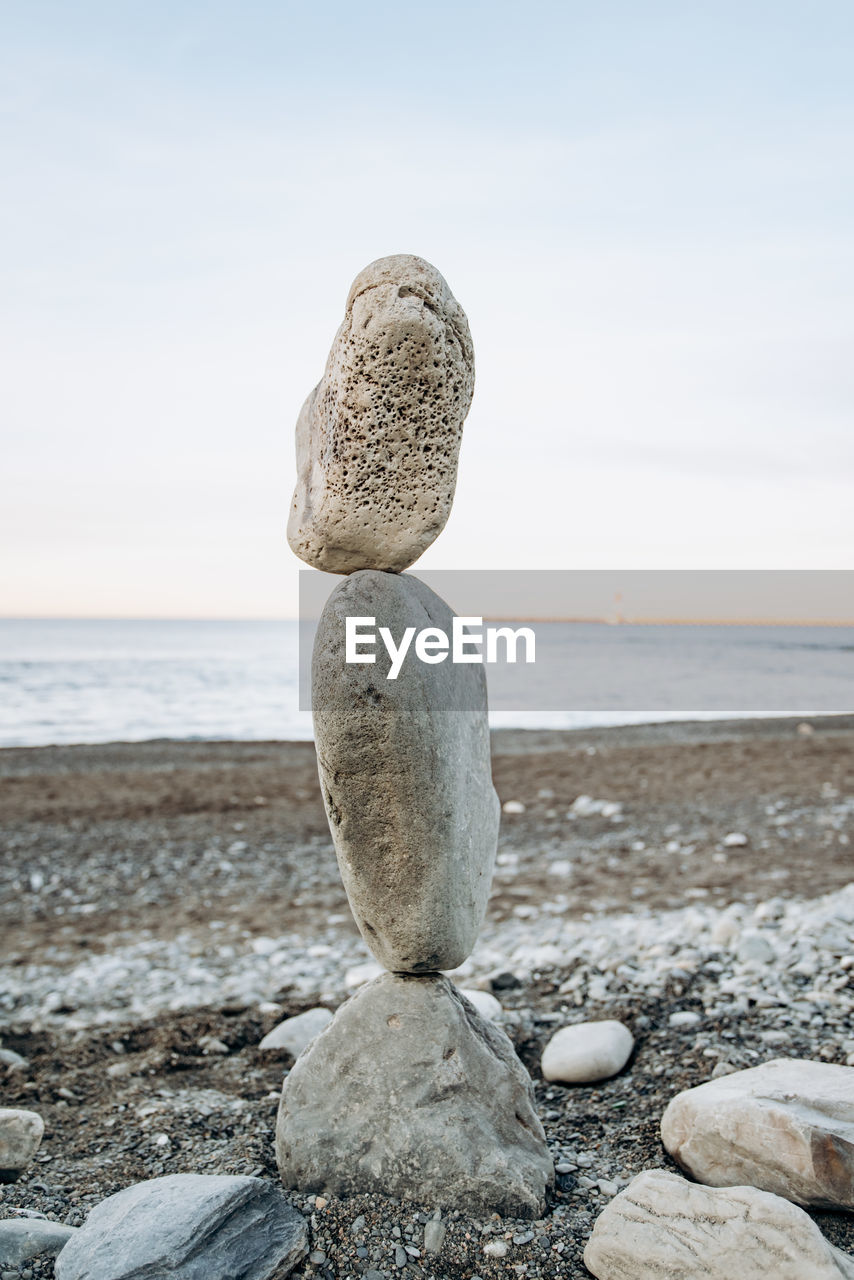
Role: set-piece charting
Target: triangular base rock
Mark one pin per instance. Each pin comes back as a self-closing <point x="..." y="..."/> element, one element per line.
<point x="409" y="1092"/>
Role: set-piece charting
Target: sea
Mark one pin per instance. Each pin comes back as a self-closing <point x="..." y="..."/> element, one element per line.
<point x="87" y="681"/>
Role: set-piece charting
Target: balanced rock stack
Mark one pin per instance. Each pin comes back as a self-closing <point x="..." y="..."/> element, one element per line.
<point x="408" y="1091"/>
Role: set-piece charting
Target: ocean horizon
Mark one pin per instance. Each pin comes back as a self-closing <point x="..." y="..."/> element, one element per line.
<point x="66" y="681"/>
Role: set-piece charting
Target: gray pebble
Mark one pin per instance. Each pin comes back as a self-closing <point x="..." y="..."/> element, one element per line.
<point x="12" y="1060"/>
<point x="434" y="1235"/>
<point x="27" y="1237"/>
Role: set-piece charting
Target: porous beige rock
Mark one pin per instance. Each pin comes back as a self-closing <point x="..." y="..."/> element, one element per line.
<point x="409" y="1092"/>
<point x="665" y="1228"/>
<point x="379" y="437"/>
<point x="786" y="1126"/>
<point x="406" y="778"/>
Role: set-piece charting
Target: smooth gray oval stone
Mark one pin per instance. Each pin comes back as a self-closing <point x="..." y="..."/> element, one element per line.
<point x="405" y="772"/>
<point x="25" y="1238"/>
<point x="379" y="437"/>
<point x="409" y="1092"/>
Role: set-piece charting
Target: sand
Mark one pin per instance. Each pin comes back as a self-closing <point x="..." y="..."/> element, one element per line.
<point x="127" y="829"/>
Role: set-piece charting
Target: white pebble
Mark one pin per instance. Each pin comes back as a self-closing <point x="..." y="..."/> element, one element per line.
<point x="496" y="1249"/>
<point x="587" y="1051"/>
<point x="684" y="1018"/>
<point x="753" y="948"/>
<point x="295" y="1033"/>
<point x="485" y="1003"/>
<point x="362" y="973"/>
<point x="724" y="931"/>
<point x="264" y="946"/>
<point x="20" y="1135"/>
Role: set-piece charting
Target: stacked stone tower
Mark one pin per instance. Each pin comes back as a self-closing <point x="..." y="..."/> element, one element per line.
<point x="408" y="1091"/>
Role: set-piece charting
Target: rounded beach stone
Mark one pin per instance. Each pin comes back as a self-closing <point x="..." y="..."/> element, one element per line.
<point x="786" y="1126"/>
<point x="587" y="1051"/>
<point x="406" y="778"/>
<point x="485" y="1003"/>
<point x="295" y="1033"/>
<point x="379" y="437"/>
<point x="25" y="1238"/>
<point x="663" y="1227"/>
<point x="20" y="1135"/>
<point x="409" y="1092"/>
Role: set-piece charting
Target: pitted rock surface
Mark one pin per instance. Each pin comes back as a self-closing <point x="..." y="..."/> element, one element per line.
<point x="409" y="1092"/>
<point x="378" y="439"/>
<point x="664" y="1228"/>
<point x="786" y="1126"/>
<point x="406" y="777"/>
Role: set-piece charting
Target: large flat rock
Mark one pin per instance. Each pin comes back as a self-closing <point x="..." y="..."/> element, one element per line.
<point x="786" y="1126"/>
<point x="378" y="438"/>
<point x="409" y="1092"/>
<point x="189" y="1226"/>
<point x="406" y="777"/>
<point x="664" y="1228"/>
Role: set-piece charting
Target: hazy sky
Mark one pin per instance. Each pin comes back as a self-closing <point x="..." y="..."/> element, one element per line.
<point x="645" y="209"/>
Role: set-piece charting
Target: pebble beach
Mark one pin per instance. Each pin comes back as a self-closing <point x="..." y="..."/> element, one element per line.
<point x="165" y="905"/>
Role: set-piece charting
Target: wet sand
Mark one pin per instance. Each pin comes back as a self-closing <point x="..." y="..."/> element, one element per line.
<point x="168" y="835"/>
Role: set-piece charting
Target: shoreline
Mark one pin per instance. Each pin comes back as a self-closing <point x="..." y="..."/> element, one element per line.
<point x="687" y="729"/>
<point x="675" y="730"/>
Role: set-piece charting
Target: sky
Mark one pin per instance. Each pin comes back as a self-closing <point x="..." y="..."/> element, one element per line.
<point x="647" y="212"/>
